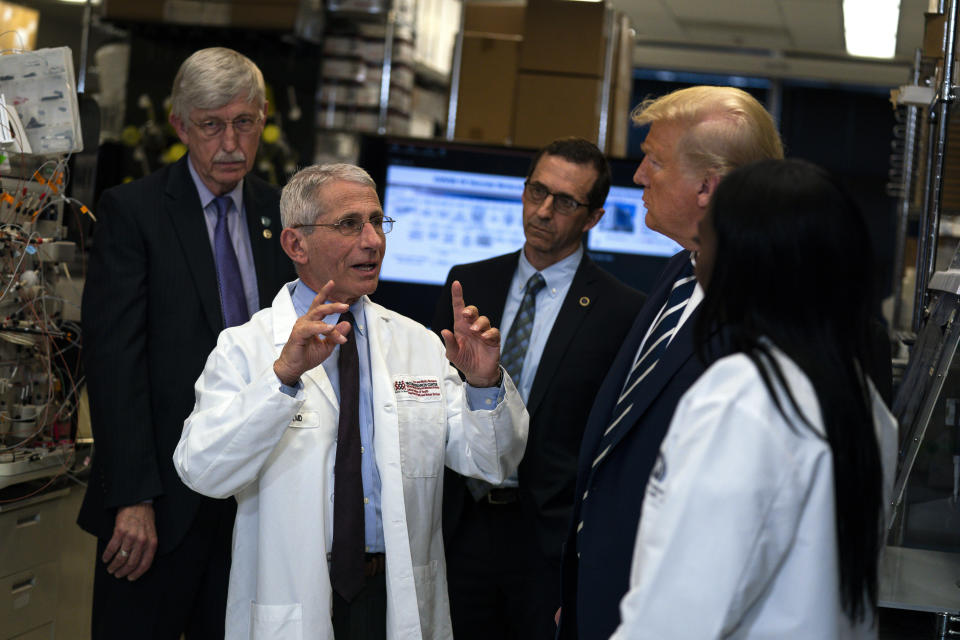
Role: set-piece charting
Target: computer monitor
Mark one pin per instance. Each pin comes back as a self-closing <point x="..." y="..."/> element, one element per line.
<point x="457" y="202"/>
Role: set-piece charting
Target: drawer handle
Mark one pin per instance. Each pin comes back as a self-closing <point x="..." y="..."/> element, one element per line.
<point x="28" y="521"/>
<point x="23" y="585"/>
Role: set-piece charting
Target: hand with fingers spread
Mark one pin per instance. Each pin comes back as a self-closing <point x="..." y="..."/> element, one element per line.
<point x="131" y="549"/>
<point x="473" y="346"/>
<point x="305" y="348"/>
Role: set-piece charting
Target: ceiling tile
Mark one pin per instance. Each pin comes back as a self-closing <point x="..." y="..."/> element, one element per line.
<point x="815" y="26"/>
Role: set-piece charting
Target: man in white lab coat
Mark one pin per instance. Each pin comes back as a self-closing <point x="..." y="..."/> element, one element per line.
<point x="268" y="420"/>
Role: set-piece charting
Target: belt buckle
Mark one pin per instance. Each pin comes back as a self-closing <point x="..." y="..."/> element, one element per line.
<point x="492" y="500"/>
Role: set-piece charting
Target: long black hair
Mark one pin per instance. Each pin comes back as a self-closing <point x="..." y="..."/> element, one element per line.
<point x="793" y="266"/>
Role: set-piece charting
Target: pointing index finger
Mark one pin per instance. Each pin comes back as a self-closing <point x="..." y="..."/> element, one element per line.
<point x="456" y="294"/>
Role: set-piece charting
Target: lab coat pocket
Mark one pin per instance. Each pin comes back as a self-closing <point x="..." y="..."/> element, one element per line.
<point x="276" y="621"/>
<point x="420" y="419"/>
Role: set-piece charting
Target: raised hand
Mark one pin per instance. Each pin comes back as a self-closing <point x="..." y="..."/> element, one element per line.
<point x="305" y="348"/>
<point x="473" y="346"/>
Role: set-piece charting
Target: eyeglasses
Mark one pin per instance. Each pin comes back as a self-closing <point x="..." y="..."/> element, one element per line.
<point x="353" y="226"/>
<point x="212" y="127"/>
<point x="562" y="203"/>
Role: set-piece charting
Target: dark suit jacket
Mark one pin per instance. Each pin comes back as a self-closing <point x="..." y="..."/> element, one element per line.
<point x="593" y="586"/>
<point x="151" y="315"/>
<point x="595" y="315"/>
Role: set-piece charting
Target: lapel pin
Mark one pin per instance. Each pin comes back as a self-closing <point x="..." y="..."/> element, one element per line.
<point x="584" y="301"/>
<point x="267" y="234"/>
<point x="265" y="221"/>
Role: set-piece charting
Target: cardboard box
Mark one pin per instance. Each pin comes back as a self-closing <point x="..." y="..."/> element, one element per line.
<point x="256" y="14"/>
<point x="494" y="17"/>
<point x="934" y="25"/>
<point x="564" y="37"/>
<point x="551" y="106"/>
<point x="488" y="73"/>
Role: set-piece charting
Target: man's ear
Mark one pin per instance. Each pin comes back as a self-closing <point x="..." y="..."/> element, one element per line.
<point x="180" y="127"/>
<point x="292" y="242"/>
<point x="592" y="219"/>
<point x="707" y="186"/>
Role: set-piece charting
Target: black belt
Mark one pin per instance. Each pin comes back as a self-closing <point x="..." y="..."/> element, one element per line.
<point x="374" y="564"/>
<point x="502" y="495"/>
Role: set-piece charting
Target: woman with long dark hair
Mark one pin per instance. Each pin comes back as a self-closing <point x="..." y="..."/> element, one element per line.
<point x="764" y="515"/>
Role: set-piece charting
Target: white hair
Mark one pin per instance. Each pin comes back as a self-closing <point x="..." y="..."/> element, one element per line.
<point x="300" y="201"/>
<point x="214" y="77"/>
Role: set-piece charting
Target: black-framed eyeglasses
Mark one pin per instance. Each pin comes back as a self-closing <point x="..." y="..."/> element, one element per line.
<point x="562" y="203"/>
<point x="212" y="127"/>
<point x="353" y="226"/>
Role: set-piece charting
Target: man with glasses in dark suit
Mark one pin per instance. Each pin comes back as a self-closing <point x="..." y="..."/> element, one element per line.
<point x="564" y="319"/>
<point x="177" y="256"/>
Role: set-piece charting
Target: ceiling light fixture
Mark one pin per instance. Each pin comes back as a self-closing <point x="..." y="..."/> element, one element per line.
<point x="870" y="27"/>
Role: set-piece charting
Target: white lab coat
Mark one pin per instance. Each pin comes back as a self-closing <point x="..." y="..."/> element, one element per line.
<point x="737" y="536"/>
<point x="275" y="453"/>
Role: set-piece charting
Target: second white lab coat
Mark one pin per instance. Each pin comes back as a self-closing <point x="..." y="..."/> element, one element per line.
<point x="276" y="453"/>
<point x="737" y="536"/>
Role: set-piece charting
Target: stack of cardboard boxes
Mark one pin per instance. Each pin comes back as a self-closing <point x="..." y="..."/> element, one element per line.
<point x="531" y="73"/>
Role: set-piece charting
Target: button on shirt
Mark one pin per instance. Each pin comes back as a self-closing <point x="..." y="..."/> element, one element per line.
<point x="559" y="277"/>
<point x="237" y="226"/>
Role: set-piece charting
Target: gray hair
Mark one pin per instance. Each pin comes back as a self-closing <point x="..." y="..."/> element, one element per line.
<point x="301" y="202"/>
<point x="214" y="77"/>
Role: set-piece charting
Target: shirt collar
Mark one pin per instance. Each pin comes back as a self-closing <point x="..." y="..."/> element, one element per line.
<point x="556" y="275"/>
<point x="207" y="196"/>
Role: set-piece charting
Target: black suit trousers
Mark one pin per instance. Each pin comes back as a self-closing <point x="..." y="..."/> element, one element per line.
<point x="184" y="591"/>
<point x="501" y="584"/>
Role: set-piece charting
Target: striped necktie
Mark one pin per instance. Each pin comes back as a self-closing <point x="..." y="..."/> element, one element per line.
<point x="515" y="346"/>
<point x="652" y="350"/>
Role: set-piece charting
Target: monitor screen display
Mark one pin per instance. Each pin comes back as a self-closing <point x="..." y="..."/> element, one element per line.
<point x="622" y="228"/>
<point x="457" y="202"/>
<point x="445" y="218"/>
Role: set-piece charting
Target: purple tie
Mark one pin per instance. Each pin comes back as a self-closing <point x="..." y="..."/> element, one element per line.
<point x="233" y="302"/>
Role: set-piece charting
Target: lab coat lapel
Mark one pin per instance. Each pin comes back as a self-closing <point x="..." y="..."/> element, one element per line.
<point x="386" y="341"/>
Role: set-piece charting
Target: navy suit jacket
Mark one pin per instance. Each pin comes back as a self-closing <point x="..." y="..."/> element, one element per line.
<point x="151" y="316"/>
<point x="594" y="583"/>
<point x="595" y="315"/>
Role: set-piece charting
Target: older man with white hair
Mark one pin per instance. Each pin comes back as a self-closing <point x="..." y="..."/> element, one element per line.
<point x="177" y="256"/>
<point x="330" y="419"/>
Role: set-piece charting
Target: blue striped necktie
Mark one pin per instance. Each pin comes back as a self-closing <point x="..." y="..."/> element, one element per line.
<point x="652" y="351"/>
<point x="515" y="346"/>
<point x="233" y="302"/>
